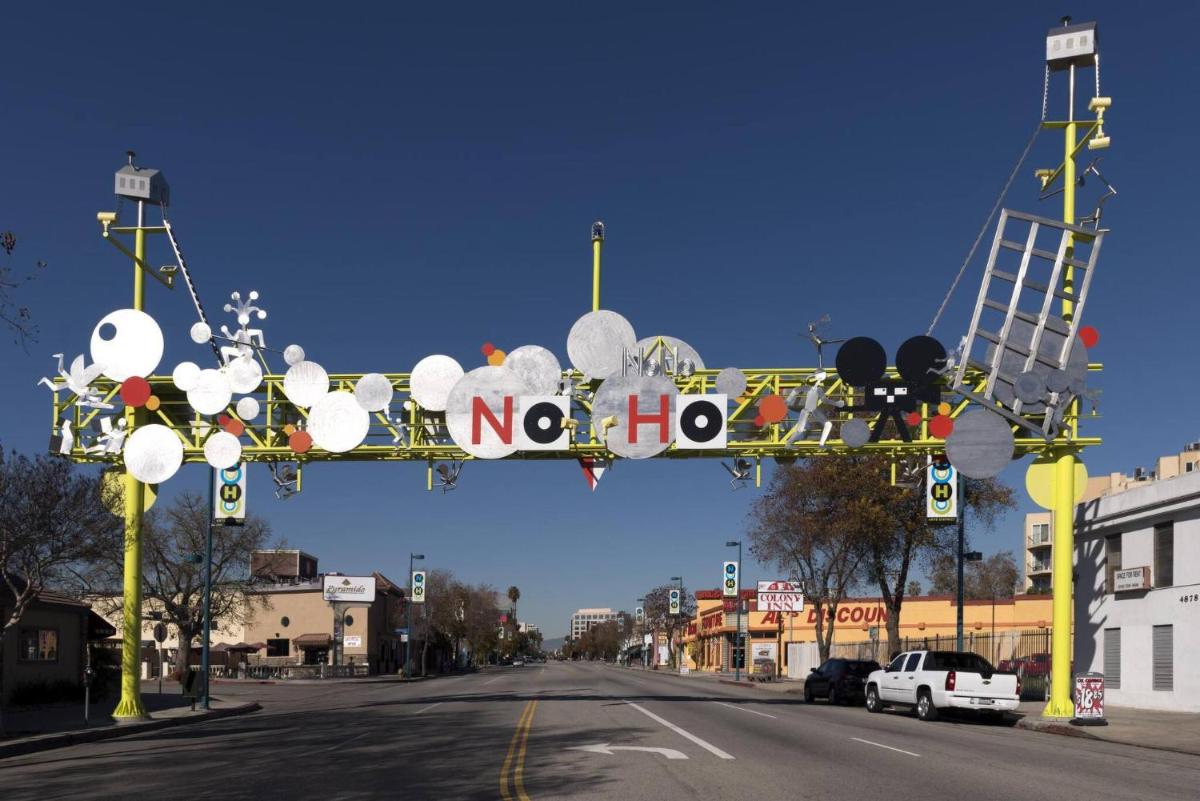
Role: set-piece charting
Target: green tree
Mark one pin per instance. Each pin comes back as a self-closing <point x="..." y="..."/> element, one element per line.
<point x="659" y="618"/>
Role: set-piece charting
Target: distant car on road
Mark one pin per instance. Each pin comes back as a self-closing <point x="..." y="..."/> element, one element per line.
<point x="842" y="681"/>
<point x="933" y="680"/>
<point x="518" y="662"/>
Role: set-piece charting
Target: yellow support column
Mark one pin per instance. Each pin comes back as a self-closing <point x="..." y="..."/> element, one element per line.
<point x="1060" y="705"/>
<point x="130" y="707"/>
<point x="597" y="242"/>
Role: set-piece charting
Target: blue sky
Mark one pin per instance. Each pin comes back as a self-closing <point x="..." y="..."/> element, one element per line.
<point x="399" y="183"/>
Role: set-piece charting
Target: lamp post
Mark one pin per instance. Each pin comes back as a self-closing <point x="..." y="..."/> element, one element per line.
<point x="679" y="658"/>
<point x="645" y="651"/>
<point x="737" y="636"/>
<point x="412" y="557"/>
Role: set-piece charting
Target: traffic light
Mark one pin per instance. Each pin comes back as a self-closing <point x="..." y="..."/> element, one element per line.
<point x="730" y="579"/>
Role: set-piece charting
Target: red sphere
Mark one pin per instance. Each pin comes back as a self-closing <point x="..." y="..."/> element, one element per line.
<point x="135" y="391"/>
<point x="1089" y="336"/>
<point x="488" y="348"/>
<point x="941" y="426"/>
<point x="233" y="426"/>
<point x="300" y="441"/>
<point x="913" y="418"/>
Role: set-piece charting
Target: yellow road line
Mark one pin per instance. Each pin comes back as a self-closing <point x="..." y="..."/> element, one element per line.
<point x="519" y="737"/>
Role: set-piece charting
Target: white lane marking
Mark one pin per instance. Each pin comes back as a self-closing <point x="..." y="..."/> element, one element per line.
<point x="707" y="746"/>
<point x="881" y="745"/>
<point x="426" y="709"/>
<point x="489" y="681"/>
<point x="744" y="709"/>
<point x="605" y="748"/>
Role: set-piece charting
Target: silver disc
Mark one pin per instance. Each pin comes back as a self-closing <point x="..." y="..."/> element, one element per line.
<point x="153" y="454"/>
<point x="432" y="379"/>
<point x="981" y="444"/>
<point x="597" y="341"/>
<point x="613" y="400"/>
<point x="200" y="333"/>
<point x="337" y="422"/>
<point x="222" y="450"/>
<point x="247" y="408"/>
<point x="373" y="392"/>
<point x="1030" y="387"/>
<point x="1013" y="363"/>
<point x="126" y="343"/>
<point x="731" y="381"/>
<point x="293" y="354"/>
<point x="492" y="385"/>
<point x="185" y="375"/>
<point x="244" y="374"/>
<point x="537" y="367"/>
<point x="305" y="383"/>
<point x="675" y="346"/>
<point x="1058" y="381"/>
<point x="211" y="393"/>
<point x="855" y="433"/>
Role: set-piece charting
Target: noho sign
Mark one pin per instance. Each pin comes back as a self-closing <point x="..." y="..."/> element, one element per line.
<point x="779" y="596"/>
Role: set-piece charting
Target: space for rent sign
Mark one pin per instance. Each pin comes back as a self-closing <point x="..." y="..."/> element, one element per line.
<point x="779" y="596"/>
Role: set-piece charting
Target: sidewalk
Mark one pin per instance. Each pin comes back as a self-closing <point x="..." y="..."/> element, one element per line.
<point x="43" y="728"/>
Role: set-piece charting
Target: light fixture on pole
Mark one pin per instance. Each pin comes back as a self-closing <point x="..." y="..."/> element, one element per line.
<point x="412" y="557"/>
<point x="737" y="636"/>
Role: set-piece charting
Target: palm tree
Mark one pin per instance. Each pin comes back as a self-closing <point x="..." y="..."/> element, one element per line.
<point x="514" y="594"/>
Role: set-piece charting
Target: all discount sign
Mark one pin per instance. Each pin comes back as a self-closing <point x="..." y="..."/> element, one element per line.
<point x="779" y="596"/>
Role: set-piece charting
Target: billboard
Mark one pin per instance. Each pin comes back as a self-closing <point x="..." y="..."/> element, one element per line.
<point x="780" y="596"/>
<point x="357" y="589"/>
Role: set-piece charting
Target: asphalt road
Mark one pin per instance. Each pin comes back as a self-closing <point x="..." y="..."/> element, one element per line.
<point x="585" y="731"/>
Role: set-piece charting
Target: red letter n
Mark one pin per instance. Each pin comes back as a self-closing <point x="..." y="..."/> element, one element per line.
<point x="663" y="418"/>
<point x="479" y="409"/>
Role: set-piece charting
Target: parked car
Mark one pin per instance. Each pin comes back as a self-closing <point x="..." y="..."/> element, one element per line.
<point x="1032" y="665"/>
<point x="842" y="681"/>
<point x="931" y="680"/>
<point x="518" y="662"/>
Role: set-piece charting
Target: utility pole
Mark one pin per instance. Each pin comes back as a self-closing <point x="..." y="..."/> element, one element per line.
<point x="208" y="557"/>
<point x="962" y="514"/>
<point x="737" y="636"/>
<point x="412" y="557"/>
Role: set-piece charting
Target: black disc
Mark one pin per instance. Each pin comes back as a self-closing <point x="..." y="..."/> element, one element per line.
<point x="917" y="357"/>
<point x="861" y="361"/>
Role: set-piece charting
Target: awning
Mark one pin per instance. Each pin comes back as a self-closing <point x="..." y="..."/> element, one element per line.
<point x="98" y="628"/>
<point x="312" y="641"/>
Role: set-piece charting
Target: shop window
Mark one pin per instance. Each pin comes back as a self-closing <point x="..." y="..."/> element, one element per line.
<point x="1112" y="560"/>
<point x="280" y="647"/>
<point x="38" y="645"/>
<point x="1164" y="555"/>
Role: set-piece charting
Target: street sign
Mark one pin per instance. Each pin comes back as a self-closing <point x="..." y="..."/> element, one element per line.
<point x="1089" y="699"/>
<point x="674" y="602"/>
<point x="352" y="640"/>
<point x="941" y="491"/>
<point x="418" y="587"/>
<point x="229" y="495"/>
<point x="730" y="577"/>
<point x="359" y="589"/>
<point x="780" y="596"/>
<point x="160" y="632"/>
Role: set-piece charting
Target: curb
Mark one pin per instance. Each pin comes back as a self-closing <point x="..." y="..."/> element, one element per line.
<point x="1068" y="730"/>
<point x="47" y="742"/>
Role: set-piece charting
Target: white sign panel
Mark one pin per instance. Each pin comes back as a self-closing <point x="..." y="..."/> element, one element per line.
<point x="941" y="492"/>
<point x="700" y="422"/>
<point x="418" y="587"/>
<point x="780" y="596"/>
<point x="729" y="577"/>
<point x="674" y="602"/>
<point x="352" y="641"/>
<point x="359" y="589"/>
<point x="540" y="423"/>
<point x="229" y="495"/>
<point x="1131" y="578"/>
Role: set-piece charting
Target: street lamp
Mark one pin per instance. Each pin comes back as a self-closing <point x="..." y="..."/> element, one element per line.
<point x="679" y="658"/>
<point x="412" y="557"/>
<point x="737" y="637"/>
<point x="645" y="651"/>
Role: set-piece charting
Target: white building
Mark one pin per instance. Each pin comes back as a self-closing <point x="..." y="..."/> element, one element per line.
<point x="1137" y="593"/>
<point x="584" y="619"/>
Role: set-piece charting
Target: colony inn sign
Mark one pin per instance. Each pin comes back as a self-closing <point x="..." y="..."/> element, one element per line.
<point x="358" y="589"/>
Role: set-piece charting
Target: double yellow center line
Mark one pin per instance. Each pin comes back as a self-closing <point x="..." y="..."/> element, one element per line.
<point x="514" y="762"/>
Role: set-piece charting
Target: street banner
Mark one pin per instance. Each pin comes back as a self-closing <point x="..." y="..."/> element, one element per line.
<point x="229" y="495"/>
<point x="674" y="602"/>
<point x="729" y="575"/>
<point x="941" y="491"/>
<point x="418" y="587"/>
<point x="639" y="615"/>
<point x="355" y="589"/>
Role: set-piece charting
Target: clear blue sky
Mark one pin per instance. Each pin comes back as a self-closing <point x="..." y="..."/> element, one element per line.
<point x="397" y="184"/>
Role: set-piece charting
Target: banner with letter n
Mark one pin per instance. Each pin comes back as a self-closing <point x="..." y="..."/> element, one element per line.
<point x="229" y="495"/>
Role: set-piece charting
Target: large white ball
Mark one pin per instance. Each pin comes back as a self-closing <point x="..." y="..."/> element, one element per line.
<point x="126" y="343"/>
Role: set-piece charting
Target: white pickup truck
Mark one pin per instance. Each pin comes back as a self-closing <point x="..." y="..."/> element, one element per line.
<point x="933" y="680"/>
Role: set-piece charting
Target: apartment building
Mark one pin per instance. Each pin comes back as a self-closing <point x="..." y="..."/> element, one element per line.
<point x="584" y="619"/>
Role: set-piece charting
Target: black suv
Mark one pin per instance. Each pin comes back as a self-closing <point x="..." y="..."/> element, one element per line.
<point x="842" y="681"/>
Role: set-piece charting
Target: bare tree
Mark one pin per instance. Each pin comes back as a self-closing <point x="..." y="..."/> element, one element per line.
<point x="173" y="547"/>
<point x="994" y="577"/>
<point x="50" y="513"/>
<point x="814" y="523"/>
<point x="657" y="609"/>
<point x="15" y="317"/>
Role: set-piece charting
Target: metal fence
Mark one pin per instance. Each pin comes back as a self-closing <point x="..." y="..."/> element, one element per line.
<point x="293" y="671"/>
<point x="1026" y="653"/>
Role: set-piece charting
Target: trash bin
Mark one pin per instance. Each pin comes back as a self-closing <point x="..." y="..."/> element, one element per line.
<point x="1089" y="700"/>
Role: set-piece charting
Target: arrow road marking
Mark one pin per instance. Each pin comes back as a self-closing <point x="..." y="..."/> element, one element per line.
<point x="744" y="709"/>
<point x="881" y="745"/>
<point x="605" y="748"/>
<point x="707" y="746"/>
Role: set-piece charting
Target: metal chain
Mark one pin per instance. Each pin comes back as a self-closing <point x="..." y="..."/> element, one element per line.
<point x="187" y="279"/>
<point x="1097" y="73"/>
<point x="1046" y="92"/>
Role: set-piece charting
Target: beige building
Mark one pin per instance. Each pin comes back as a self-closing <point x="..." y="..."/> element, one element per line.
<point x="1039" y="526"/>
<point x="584" y="619"/>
